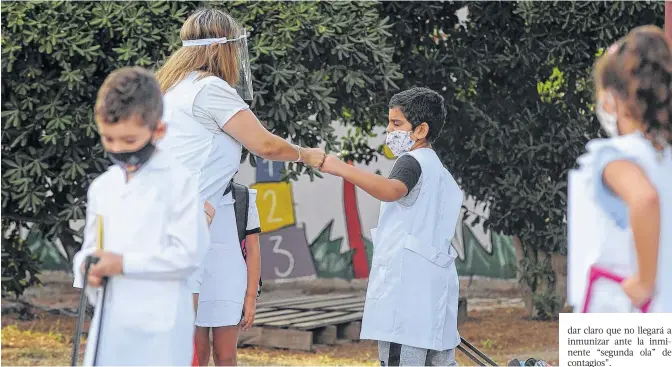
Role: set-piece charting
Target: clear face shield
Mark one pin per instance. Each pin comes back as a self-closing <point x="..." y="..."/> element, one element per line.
<point x="239" y="43"/>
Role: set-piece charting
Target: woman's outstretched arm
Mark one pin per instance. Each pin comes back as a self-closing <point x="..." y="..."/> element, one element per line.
<point x="247" y="130"/>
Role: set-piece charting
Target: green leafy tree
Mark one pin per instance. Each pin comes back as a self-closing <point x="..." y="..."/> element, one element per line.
<point x="312" y="62"/>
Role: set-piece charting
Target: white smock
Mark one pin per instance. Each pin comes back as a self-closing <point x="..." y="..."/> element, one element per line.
<point x="599" y="232"/>
<point x="413" y="287"/>
<point x="197" y="110"/>
<point x="152" y="220"/>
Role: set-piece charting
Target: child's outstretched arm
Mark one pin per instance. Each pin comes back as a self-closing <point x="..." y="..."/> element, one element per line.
<point x="381" y="188"/>
<point x="627" y="181"/>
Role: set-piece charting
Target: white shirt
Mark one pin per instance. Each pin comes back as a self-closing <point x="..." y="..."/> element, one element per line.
<point x="153" y="220"/>
<point x="196" y="112"/>
<point x="253" y="223"/>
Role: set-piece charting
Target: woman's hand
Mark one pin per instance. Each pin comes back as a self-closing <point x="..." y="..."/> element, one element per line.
<point x="249" y="310"/>
<point x="209" y="212"/>
<point x="313" y="157"/>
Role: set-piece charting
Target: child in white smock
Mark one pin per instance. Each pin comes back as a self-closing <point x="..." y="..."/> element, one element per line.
<point x="620" y="197"/>
<point x="411" y="298"/>
<point x="149" y="209"/>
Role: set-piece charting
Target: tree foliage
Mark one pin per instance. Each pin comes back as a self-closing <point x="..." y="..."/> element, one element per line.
<point x="515" y="76"/>
<point x="312" y="62"/>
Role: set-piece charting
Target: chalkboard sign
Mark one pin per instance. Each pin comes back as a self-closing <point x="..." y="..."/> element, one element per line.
<point x="275" y="205"/>
<point x="269" y="171"/>
<point x="285" y="254"/>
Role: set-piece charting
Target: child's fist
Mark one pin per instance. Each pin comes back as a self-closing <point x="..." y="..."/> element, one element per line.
<point x="331" y="164"/>
<point x="636" y="291"/>
<point x="110" y="264"/>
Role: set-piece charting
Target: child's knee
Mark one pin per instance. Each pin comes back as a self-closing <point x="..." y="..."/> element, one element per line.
<point x="225" y="357"/>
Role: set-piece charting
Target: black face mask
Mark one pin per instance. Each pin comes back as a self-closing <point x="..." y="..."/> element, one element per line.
<point x="132" y="161"/>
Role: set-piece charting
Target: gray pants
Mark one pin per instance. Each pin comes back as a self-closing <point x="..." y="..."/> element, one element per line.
<point x="393" y="354"/>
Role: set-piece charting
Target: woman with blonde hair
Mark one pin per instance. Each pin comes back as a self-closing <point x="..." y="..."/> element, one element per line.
<point x="620" y="197"/>
<point x="205" y="83"/>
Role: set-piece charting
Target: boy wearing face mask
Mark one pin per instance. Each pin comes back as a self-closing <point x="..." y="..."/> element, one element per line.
<point x="148" y="211"/>
<point x="412" y="295"/>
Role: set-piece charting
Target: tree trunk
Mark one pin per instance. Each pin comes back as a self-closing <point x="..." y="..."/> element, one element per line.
<point x="525" y="289"/>
<point x="559" y="265"/>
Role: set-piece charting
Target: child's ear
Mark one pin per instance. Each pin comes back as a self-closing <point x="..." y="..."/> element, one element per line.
<point x="421" y="131"/>
<point x="159" y="131"/>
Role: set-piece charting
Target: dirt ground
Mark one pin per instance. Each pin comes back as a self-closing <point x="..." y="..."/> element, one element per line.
<point x="497" y="326"/>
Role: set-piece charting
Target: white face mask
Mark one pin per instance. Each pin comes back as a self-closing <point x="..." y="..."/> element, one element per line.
<point x="608" y="121"/>
<point x="399" y="142"/>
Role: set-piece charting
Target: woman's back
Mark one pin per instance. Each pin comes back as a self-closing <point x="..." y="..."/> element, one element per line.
<point x="196" y="111"/>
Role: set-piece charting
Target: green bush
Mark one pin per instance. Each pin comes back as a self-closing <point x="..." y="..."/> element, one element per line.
<point x="19" y="265"/>
<point x="312" y="62"/>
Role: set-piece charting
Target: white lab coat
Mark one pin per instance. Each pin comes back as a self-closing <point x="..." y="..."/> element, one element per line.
<point x="153" y="221"/>
<point x="413" y="287"/>
<point x="213" y="157"/>
<point x="594" y="237"/>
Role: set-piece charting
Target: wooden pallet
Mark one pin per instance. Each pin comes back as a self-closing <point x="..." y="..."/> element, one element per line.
<point x="299" y="323"/>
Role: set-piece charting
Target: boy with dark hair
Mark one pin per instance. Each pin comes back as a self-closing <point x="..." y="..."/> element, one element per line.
<point x="411" y="300"/>
<point x="144" y="221"/>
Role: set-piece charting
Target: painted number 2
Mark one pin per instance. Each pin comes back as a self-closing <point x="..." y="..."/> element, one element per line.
<point x="274" y="204"/>
<point x="277" y="240"/>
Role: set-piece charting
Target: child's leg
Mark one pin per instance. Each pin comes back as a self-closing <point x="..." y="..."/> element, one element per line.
<point x="388" y="353"/>
<point x="412" y="356"/>
<point x="202" y="338"/>
<point x="441" y="358"/>
<point x="225" y="344"/>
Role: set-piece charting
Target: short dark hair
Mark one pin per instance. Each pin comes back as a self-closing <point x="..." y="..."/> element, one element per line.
<point x="130" y="91"/>
<point x="420" y="105"/>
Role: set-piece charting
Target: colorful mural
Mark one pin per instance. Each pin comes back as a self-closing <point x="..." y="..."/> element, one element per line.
<point x="321" y="229"/>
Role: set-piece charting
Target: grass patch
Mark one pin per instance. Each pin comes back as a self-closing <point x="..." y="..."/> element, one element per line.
<point x="32" y="347"/>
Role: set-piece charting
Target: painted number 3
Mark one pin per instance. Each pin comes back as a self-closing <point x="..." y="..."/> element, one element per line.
<point x="277" y="240"/>
<point x="274" y="205"/>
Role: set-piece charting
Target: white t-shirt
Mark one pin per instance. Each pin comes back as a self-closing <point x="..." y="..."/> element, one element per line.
<point x="215" y="104"/>
<point x="253" y="223"/>
<point x="196" y="112"/>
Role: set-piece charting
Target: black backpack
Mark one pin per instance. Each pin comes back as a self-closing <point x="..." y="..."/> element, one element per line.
<point x="241" y="206"/>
